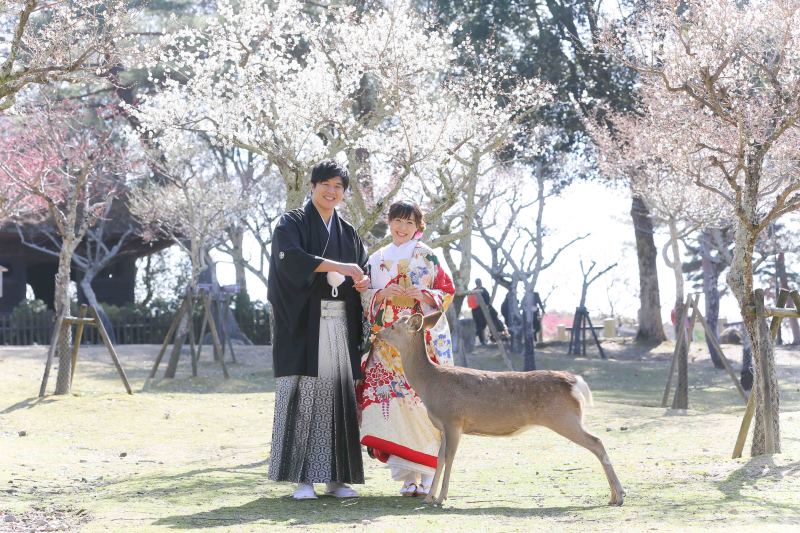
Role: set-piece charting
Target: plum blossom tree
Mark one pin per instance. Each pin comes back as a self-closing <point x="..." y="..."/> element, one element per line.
<point x="723" y="76"/>
<point x="59" y="40"/>
<point x="69" y="173"/>
<point x="194" y="208"/>
<point x="639" y="153"/>
<point x="372" y="87"/>
<point x="517" y="251"/>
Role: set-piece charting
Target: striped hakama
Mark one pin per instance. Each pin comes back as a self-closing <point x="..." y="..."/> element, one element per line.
<point x="315" y="436"/>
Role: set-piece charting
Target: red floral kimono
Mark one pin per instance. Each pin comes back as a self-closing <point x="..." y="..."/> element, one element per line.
<point x="394" y="423"/>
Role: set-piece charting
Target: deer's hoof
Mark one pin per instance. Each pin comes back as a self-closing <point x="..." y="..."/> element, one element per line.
<point x="428" y="499"/>
<point x="616" y="499"/>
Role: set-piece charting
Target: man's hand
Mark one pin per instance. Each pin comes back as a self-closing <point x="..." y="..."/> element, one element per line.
<point x="362" y="284"/>
<point x="350" y="269"/>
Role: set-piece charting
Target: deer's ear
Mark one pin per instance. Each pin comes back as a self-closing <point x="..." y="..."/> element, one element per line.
<point x="415" y="322"/>
<point x="431" y="319"/>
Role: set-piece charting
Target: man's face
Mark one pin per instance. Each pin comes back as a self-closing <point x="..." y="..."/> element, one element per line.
<point x="329" y="193"/>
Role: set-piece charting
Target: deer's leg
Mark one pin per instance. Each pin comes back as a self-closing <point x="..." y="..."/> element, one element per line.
<point x="452" y="436"/>
<point x="571" y="428"/>
<point x="439" y="468"/>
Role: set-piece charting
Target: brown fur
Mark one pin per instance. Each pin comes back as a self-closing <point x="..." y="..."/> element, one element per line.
<point x="479" y="402"/>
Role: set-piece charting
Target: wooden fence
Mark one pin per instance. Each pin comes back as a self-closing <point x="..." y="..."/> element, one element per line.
<point x="26" y="329"/>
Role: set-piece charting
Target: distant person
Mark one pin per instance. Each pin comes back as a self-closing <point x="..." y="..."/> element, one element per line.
<point x="479" y="318"/>
<point x="538" y="313"/>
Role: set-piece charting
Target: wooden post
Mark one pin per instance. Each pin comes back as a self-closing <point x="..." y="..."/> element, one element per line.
<point x="715" y="343"/>
<point x="212" y="326"/>
<point x="594" y="334"/>
<point x="167" y="337"/>
<point x="751" y="403"/>
<point x="222" y="311"/>
<point x="496" y="334"/>
<point x="190" y="297"/>
<point x="50" y="352"/>
<point x="112" y="352"/>
<point x="77" y="344"/>
<point x="203" y="324"/>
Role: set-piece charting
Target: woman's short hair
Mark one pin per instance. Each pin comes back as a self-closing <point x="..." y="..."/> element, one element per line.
<point x="328" y="169"/>
<point x="407" y="210"/>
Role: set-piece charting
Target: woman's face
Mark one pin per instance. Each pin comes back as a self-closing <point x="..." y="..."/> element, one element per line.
<point x="402" y="229"/>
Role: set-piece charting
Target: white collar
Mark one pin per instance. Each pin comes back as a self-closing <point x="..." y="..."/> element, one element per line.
<point x="393" y="252"/>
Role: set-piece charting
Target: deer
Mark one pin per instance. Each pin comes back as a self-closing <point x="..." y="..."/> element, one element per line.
<point x="480" y="402"/>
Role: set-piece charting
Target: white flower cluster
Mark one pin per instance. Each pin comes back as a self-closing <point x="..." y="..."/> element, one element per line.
<point x="377" y="89"/>
<point x="719" y="102"/>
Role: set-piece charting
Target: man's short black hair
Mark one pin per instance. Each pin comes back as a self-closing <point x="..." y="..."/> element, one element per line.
<point x="328" y="169"/>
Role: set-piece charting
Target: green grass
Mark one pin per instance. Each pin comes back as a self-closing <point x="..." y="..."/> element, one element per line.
<point x="191" y="454"/>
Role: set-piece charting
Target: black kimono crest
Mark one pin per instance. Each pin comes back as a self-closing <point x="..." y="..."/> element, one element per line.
<point x="299" y="244"/>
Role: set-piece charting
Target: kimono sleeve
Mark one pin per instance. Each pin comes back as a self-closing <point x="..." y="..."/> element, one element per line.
<point x="294" y="265"/>
<point x="368" y="296"/>
<point x="441" y="289"/>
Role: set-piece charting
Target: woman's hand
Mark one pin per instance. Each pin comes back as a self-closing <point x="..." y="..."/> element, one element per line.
<point x="390" y="292"/>
<point x="362" y="284"/>
<point x="414" y="292"/>
<point x="420" y="296"/>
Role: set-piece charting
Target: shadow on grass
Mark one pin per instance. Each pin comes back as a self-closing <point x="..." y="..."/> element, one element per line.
<point x="243" y="379"/>
<point x="285" y="511"/>
<point x="28" y="403"/>
<point x="760" y="470"/>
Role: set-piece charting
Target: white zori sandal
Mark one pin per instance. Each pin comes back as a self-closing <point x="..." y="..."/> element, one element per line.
<point x="409" y="488"/>
<point x="424" y="486"/>
<point x="304" y="491"/>
<point x="340" y="490"/>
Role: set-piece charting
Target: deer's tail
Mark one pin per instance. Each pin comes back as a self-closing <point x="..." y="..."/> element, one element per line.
<point x="580" y="391"/>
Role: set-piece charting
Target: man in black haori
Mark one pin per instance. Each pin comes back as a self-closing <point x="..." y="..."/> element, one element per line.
<point x="315" y="274"/>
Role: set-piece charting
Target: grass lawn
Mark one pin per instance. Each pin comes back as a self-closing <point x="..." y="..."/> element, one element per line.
<point x="190" y="454"/>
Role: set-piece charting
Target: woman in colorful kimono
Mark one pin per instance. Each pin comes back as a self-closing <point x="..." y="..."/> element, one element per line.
<point x="406" y="276"/>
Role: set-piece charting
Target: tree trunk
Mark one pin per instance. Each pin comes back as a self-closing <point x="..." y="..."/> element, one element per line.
<point x="681" y="399"/>
<point x="457" y="336"/>
<point x="711" y="293"/>
<point x="783" y="282"/>
<point x="516" y="326"/>
<point x="740" y="280"/>
<point x="296" y="187"/>
<point x="148" y="281"/>
<point x="61" y="303"/>
<point x="650" y="326"/>
<point x="529" y="342"/>
<point x="177" y="345"/>
<point x="242" y="306"/>
<point x="236" y="235"/>
<point x="91" y="299"/>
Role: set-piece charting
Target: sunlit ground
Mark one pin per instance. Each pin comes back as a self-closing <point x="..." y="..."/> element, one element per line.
<point x="191" y="454"/>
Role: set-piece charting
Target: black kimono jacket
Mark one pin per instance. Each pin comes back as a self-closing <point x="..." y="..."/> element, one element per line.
<point x="295" y="290"/>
